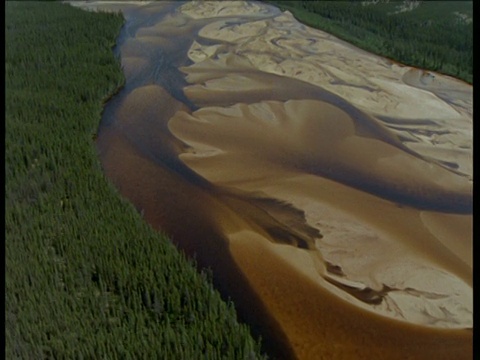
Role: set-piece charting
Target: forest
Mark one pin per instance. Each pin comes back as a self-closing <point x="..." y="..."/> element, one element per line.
<point x="433" y="35"/>
<point x="86" y="277"/>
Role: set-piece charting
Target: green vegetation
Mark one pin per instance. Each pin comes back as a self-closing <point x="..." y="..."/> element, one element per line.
<point x="432" y="36"/>
<point x="85" y="276"/>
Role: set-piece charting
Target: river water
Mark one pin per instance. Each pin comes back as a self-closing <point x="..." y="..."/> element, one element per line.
<point x="329" y="190"/>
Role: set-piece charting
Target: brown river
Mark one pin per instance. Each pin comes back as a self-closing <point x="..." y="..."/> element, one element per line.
<point x="328" y="189"/>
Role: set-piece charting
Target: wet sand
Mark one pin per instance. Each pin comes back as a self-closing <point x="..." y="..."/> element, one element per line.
<point x="330" y="190"/>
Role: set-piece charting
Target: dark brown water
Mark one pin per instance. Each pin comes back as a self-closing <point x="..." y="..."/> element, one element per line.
<point x="219" y="155"/>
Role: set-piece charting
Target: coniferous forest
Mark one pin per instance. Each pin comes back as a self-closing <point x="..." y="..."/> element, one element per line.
<point x="86" y="278"/>
<point x="433" y="35"/>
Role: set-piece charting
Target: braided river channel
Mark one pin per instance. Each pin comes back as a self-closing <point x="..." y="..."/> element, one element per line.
<point x="328" y="189"/>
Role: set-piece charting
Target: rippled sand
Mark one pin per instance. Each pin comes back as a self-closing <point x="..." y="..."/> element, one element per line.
<point x="329" y="189"/>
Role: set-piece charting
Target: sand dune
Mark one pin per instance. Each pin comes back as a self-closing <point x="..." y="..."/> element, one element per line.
<point x="329" y="189"/>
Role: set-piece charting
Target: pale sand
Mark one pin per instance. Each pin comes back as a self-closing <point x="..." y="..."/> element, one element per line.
<point x="371" y="250"/>
<point x="212" y="9"/>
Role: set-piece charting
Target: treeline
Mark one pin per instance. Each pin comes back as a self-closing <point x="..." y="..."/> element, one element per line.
<point x="85" y="276"/>
<point x="442" y="43"/>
